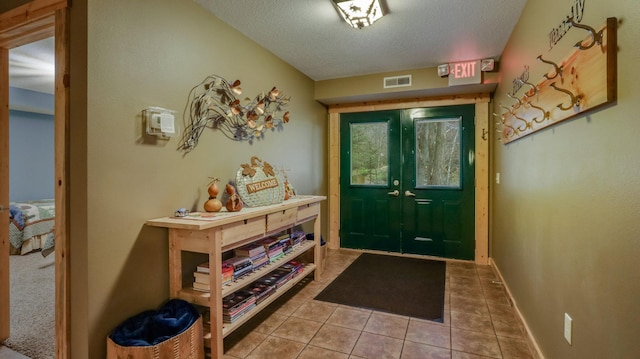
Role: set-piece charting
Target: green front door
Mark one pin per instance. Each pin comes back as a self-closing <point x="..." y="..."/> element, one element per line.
<point x="407" y="181"/>
<point x="370" y="212"/>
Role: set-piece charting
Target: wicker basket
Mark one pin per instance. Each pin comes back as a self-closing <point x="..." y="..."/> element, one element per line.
<point x="259" y="184"/>
<point x="187" y="345"/>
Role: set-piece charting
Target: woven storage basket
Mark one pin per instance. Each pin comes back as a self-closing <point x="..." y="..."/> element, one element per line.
<point x="186" y="345"/>
<point x="259" y="184"/>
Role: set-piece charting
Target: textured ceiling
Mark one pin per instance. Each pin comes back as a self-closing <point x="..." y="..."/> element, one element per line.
<point x="311" y="36"/>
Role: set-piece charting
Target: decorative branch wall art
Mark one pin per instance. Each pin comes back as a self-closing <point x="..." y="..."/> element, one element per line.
<point x="213" y="103"/>
<point x="585" y="79"/>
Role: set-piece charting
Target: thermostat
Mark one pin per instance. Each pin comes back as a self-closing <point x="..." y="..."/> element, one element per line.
<point x="160" y="121"/>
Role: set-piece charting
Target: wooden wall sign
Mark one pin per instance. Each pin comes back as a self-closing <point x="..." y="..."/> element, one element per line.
<point x="584" y="80"/>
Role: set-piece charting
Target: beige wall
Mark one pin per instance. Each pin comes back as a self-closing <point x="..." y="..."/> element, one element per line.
<point x="144" y="53"/>
<point x="565" y="231"/>
<point x="425" y="82"/>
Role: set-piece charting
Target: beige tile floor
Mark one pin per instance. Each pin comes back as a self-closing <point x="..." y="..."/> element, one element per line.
<point x="478" y="323"/>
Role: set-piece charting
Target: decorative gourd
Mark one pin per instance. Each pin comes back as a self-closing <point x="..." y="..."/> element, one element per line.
<point x="234" y="203"/>
<point x="213" y="205"/>
<point x="213" y="187"/>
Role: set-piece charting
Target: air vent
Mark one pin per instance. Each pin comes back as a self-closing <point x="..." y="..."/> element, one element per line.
<point x="397" y="81"/>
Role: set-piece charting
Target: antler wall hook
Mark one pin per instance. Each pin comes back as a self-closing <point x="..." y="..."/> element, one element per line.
<point x="596" y="36"/>
<point x="575" y="100"/>
<point x="558" y="69"/>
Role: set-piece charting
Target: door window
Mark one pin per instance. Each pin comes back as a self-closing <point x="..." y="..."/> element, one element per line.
<point x="369" y="154"/>
<point x="437" y="144"/>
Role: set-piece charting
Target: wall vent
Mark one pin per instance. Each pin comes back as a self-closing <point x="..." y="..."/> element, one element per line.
<point x="397" y="81"/>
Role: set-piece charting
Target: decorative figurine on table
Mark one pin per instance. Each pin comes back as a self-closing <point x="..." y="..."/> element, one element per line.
<point x="213" y="204"/>
<point x="234" y="203"/>
<point x="289" y="191"/>
<point x="181" y="212"/>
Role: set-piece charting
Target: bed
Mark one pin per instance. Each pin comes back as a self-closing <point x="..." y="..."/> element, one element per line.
<point x="31" y="226"/>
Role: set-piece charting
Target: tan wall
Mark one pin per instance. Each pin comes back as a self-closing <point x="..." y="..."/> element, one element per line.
<point x="565" y="228"/>
<point x="425" y="82"/>
<point x="151" y="53"/>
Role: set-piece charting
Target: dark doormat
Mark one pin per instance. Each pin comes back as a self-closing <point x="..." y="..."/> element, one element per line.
<point x="399" y="285"/>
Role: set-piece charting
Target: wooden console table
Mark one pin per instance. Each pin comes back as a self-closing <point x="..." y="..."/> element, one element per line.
<point x="224" y="232"/>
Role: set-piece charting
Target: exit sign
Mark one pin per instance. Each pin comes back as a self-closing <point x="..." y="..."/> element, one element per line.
<point x="465" y="73"/>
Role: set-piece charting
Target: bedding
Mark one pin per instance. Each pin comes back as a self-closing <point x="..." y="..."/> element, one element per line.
<point x="31" y="226"/>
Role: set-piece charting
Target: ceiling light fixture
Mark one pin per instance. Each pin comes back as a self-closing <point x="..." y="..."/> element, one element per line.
<point x="359" y="13"/>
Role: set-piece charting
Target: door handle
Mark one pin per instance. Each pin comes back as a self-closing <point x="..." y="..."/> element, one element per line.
<point x="395" y="193"/>
<point x="408" y="193"/>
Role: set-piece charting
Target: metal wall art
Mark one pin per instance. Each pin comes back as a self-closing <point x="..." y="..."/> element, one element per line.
<point x="585" y="79"/>
<point x="213" y="103"/>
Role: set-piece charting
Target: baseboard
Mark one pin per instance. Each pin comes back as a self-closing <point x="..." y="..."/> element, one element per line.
<point x="530" y="339"/>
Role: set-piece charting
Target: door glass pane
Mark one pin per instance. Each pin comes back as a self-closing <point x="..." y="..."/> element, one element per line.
<point x="437" y="152"/>
<point x="369" y="153"/>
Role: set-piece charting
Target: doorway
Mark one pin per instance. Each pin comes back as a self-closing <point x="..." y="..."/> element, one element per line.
<point x="33" y="21"/>
<point x="407" y="181"/>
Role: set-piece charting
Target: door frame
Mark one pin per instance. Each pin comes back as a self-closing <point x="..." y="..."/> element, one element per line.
<point x="482" y="131"/>
<point x="33" y="21"/>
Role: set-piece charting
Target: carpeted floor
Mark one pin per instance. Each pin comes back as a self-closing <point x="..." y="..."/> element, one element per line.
<point x="399" y="285"/>
<point x="32" y="305"/>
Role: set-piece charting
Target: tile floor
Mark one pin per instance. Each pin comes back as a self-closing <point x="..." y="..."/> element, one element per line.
<point x="479" y="323"/>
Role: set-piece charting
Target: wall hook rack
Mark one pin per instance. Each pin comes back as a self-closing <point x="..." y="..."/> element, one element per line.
<point x="561" y="94"/>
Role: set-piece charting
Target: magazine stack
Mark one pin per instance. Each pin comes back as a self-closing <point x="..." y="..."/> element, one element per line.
<point x="237" y="304"/>
<point x="261" y="291"/>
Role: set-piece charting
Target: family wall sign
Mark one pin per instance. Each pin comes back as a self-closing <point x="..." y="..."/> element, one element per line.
<point x="584" y="79"/>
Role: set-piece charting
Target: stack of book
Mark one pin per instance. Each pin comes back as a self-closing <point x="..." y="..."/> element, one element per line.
<point x="227" y="273"/>
<point x="256" y="252"/>
<point x="201" y="276"/>
<point x="273" y="248"/>
<point x="297" y="238"/>
<point x="236" y="305"/>
<point x="285" y="242"/>
<point x="241" y="266"/>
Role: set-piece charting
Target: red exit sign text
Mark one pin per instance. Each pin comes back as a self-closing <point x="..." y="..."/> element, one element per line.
<point x="464" y="73"/>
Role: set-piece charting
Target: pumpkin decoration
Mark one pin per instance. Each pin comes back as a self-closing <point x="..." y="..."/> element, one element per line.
<point x="259" y="184"/>
<point x="234" y="203"/>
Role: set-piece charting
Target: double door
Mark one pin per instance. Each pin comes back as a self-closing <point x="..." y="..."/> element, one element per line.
<point x="407" y="181"/>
